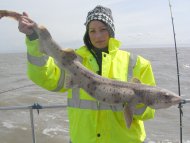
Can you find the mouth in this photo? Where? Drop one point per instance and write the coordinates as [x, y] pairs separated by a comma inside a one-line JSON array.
[[99, 42], [177, 100]]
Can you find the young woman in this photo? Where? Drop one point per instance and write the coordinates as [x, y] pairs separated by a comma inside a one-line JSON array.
[[91, 121]]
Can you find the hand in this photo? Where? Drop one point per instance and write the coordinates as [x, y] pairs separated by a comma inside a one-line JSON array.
[[26, 24]]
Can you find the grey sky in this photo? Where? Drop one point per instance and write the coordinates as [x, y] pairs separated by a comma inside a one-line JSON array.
[[139, 23]]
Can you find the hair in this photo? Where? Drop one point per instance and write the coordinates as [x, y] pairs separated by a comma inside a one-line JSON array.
[[86, 37]]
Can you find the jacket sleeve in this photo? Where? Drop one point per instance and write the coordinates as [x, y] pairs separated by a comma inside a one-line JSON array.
[[42, 69], [143, 72]]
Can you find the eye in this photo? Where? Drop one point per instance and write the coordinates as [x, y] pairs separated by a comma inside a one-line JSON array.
[[91, 31], [103, 29]]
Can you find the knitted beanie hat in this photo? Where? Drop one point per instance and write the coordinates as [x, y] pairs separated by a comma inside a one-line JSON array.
[[102, 14]]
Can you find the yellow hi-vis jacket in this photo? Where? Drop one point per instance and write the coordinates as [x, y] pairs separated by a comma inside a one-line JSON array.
[[91, 121]]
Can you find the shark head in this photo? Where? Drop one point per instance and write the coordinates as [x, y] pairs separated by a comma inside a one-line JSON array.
[[163, 99]]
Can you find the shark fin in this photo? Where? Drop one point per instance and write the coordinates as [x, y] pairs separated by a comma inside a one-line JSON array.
[[129, 110], [128, 114]]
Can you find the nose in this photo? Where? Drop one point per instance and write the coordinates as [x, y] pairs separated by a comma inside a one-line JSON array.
[[98, 35], [177, 100]]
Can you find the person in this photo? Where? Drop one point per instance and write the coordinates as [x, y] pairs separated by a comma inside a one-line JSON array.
[[91, 121]]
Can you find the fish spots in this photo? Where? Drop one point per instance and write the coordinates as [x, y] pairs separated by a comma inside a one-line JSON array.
[[92, 86], [116, 98], [63, 61], [91, 93], [116, 101], [104, 87], [95, 88], [52, 44], [149, 102], [167, 102], [94, 83], [88, 76], [71, 82], [88, 86]]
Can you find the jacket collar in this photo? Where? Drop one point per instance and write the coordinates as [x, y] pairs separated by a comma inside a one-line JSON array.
[[113, 45]]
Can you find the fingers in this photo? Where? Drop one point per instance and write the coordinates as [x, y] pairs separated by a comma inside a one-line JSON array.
[[25, 14], [26, 24]]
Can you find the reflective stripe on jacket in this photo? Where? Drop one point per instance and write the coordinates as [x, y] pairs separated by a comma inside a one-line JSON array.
[[92, 121]]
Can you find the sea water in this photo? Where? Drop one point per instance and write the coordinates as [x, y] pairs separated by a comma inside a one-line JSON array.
[[51, 125]]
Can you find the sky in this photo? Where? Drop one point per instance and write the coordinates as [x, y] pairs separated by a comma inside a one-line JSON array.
[[138, 23]]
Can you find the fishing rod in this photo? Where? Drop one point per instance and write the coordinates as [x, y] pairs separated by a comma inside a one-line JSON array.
[[9, 90], [178, 73]]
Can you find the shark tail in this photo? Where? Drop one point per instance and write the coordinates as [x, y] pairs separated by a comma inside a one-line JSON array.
[[11, 14]]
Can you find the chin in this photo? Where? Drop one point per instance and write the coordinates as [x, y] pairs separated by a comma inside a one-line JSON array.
[[100, 46]]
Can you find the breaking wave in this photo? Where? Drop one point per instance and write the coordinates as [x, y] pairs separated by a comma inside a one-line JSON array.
[[51, 132]]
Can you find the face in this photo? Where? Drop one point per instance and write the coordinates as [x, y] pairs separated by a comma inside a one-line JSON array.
[[98, 33]]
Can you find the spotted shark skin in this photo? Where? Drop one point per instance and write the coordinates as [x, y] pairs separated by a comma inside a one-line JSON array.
[[103, 89]]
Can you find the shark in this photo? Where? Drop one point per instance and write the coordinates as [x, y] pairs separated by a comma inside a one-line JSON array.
[[106, 90]]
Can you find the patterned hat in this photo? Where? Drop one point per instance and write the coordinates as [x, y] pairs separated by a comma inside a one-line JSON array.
[[102, 14]]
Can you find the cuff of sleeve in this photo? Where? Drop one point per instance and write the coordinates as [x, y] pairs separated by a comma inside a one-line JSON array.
[[33, 36], [33, 47]]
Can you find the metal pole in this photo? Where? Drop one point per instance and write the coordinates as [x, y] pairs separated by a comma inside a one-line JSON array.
[[185, 101], [33, 107], [32, 126]]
